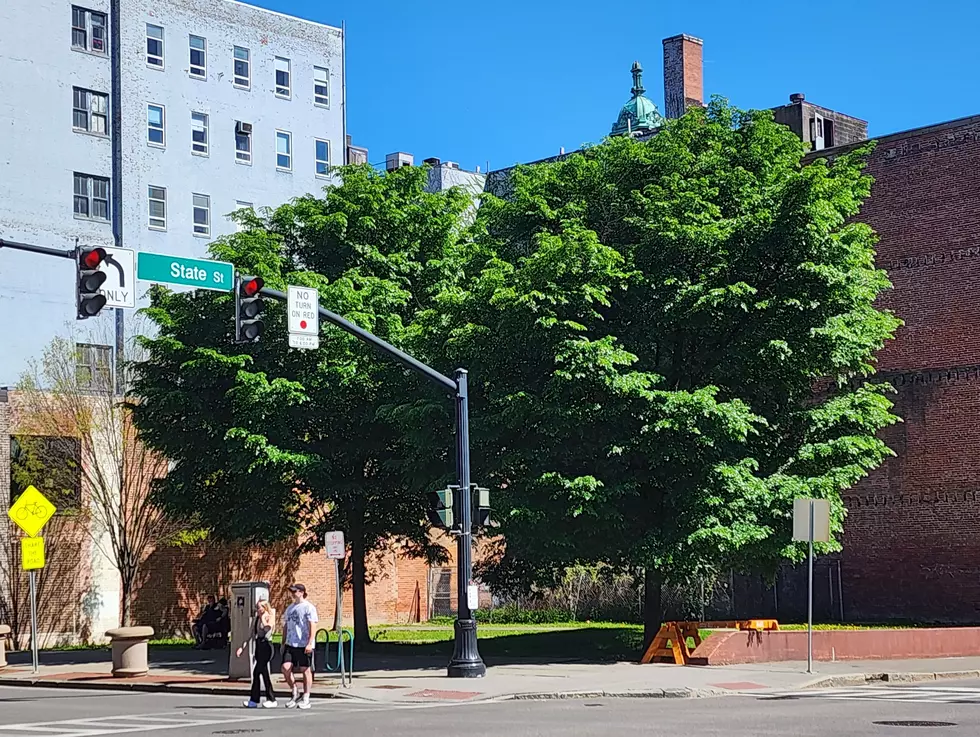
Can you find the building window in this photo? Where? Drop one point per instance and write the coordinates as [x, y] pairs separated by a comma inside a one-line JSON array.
[[199, 134], [157, 203], [154, 45], [239, 205], [322, 157], [202, 214], [155, 129], [51, 463], [93, 367], [91, 197], [282, 77], [284, 150], [243, 68], [321, 87], [199, 57], [87, 30], [243, 142], [90, 111]]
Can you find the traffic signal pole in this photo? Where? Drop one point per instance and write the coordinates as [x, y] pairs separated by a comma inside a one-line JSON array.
[[466, 661]]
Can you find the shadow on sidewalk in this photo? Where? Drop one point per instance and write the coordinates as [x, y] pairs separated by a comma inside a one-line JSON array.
[[585, 645]]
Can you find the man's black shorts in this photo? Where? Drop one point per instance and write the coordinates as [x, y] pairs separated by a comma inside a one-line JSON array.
[[297, 656]]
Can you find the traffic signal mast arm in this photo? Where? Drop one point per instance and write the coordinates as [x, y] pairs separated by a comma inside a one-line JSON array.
[[38, 249], [334, 319]]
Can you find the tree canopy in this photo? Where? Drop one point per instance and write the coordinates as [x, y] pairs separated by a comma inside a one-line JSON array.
[[668, 341], [268, 442]]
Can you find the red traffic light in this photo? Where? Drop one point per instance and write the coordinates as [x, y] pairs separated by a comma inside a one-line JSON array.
[[92, 257], [253, 286]]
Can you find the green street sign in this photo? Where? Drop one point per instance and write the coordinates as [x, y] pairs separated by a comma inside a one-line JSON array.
[[190, 272]]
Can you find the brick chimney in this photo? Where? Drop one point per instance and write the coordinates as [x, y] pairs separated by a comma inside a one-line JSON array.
[[683, 74]]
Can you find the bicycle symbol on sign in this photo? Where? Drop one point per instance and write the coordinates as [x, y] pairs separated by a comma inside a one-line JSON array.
[[34, 508]]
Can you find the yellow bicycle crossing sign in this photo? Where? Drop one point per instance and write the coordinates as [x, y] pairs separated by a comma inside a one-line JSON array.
[[31, 511]]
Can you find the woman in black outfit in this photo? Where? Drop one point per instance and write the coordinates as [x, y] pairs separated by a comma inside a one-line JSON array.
[[262, 625]]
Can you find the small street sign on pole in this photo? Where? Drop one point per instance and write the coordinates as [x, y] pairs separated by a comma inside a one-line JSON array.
[[303, 310], [333, 542], [811, 522], [31, 512]]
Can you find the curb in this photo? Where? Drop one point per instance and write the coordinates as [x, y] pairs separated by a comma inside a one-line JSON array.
[[862, 679]]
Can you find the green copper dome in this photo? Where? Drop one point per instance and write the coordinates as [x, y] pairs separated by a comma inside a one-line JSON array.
[[639, 114]]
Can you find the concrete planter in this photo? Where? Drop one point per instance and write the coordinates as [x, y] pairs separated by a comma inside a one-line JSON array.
[[130, 651], [4, 633]]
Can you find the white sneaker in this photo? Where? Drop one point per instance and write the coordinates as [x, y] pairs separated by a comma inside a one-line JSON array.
[[250, 705], [270, 704], [294, 699], [304, 703]]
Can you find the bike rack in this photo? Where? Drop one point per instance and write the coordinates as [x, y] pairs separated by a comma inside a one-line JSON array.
[[343, 665]]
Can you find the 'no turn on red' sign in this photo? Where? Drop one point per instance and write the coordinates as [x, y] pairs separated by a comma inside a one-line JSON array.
[[303, 306]]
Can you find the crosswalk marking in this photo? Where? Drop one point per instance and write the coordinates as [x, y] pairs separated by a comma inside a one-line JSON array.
[[133, 723], [909, 694]]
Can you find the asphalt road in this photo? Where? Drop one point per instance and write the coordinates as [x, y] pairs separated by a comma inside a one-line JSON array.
[[31, 712]]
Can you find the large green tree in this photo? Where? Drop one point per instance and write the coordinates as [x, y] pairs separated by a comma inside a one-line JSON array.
[[669, 341], [268, 442]]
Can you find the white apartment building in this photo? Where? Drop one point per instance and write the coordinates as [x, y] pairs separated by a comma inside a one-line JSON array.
[[142, 125]]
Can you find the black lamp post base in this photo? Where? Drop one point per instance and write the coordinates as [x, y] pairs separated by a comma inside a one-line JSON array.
[[466, 662]]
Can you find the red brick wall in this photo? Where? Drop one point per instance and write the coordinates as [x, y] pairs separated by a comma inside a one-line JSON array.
[[912, 536], [175, 582]]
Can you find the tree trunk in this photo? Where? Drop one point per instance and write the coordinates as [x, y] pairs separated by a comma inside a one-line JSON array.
[[126, 612], [653, 610], [358, 588]]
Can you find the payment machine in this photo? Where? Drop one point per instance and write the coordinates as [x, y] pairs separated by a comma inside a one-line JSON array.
[[244, 597]]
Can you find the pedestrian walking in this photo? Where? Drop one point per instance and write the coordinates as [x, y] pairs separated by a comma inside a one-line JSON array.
[[263, 623], [298, 637]]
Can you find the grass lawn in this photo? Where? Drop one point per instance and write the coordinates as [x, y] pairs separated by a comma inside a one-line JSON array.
[[575, 640]]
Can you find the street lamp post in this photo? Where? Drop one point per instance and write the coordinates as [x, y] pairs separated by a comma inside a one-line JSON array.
[[466, 661]]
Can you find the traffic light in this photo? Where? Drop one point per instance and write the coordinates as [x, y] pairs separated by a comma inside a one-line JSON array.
[[440, 508], [88, 281], [481, 505], [248, 308]]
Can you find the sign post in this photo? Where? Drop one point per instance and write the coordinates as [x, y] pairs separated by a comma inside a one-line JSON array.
[[811, 522], [303, 305], [336, 551], [31, 512]]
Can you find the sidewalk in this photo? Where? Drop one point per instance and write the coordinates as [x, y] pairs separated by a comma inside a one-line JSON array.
[[389, 679]]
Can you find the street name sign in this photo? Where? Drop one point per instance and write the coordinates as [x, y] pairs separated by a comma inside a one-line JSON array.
[[334, 543], [302, 306], [32, 553], [189, 272], [119, 286], [31, 511]]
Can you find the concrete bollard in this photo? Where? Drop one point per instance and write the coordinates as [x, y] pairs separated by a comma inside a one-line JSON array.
[[4, 632], [129, 651]]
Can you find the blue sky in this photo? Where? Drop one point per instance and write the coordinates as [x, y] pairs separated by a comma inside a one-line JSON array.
[[506, 81]]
